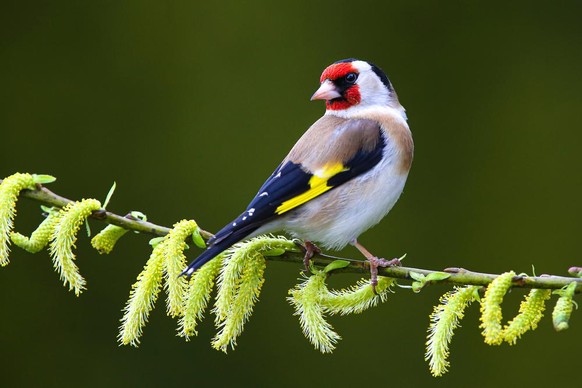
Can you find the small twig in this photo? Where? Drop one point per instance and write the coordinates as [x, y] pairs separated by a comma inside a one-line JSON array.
[[458, 276], [48, 198]]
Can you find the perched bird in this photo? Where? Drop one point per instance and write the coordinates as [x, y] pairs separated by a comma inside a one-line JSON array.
[[342, 176]]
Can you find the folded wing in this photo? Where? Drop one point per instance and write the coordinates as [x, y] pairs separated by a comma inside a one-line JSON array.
[[338, 155]]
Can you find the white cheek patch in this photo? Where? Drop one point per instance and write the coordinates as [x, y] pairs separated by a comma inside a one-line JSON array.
[[372, 90]]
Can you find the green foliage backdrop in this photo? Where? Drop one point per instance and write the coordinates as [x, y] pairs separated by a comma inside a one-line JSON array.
[[190, 106]]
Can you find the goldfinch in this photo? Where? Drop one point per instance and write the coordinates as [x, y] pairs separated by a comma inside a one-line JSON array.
[[342, 176]]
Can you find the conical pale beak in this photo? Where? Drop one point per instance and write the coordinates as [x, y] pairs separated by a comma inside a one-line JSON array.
[[327, 91]]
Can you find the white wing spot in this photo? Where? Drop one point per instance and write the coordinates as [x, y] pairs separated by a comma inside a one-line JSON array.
[[278, 175], [319, 173], [251, 211], [244, 218], [234, 224], [264, 194]]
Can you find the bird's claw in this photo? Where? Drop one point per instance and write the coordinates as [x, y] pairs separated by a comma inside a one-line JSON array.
[[310, 250], [376, 262]]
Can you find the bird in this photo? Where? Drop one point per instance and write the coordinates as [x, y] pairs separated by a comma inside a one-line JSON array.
[[341, 177]]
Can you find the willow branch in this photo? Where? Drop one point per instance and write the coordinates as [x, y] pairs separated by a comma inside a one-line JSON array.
[[458, 276], [48, 198]]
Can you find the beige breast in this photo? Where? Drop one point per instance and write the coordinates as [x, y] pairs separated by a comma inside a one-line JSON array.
[[332, 140]]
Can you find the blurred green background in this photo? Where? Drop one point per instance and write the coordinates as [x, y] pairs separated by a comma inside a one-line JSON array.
[[189, 106]]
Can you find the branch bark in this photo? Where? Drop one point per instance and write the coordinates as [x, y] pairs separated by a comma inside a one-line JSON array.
[[48, 198], [458, 276]]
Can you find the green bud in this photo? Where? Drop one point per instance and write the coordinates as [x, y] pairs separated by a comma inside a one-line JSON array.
[[336, 264], [197, 238], [43, 179]]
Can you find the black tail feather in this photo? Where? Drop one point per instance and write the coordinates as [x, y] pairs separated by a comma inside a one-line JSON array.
[[217, 248]]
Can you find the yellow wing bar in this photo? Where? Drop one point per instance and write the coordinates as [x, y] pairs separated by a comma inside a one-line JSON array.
[[317, 186]]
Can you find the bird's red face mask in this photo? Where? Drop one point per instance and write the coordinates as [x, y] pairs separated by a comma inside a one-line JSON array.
[[339, 87]]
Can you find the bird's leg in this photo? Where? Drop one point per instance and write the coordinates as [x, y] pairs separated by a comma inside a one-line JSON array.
[[310, 250], [375, 262]]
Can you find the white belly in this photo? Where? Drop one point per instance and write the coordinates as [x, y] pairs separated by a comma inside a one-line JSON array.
[[338, 217]]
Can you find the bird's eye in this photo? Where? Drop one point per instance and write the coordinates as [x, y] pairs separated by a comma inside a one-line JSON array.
[[351, 78]]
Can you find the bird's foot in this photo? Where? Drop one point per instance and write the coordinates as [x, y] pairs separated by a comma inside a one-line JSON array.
[[376, 262], [310, 250]]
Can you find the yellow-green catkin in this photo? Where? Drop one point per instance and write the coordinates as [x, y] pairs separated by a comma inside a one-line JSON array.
[[105, 241], [174, 263], [228, 281], [235, 258], [357, 298], [197, 297], [444, 320], [249, 288], [491, 315], [531, 311], [69, 221], [564, 307], [239, 284], [40, 238], [142, 297], [9, 190], [306, 298]]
